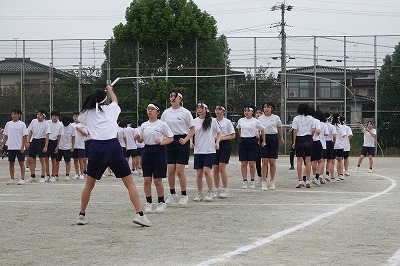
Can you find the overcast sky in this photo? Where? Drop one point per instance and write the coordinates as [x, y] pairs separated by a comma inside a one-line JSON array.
[[65, 19]]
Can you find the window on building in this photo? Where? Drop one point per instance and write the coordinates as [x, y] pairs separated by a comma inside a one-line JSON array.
[[230, 83], [304, 88], [293, 88]]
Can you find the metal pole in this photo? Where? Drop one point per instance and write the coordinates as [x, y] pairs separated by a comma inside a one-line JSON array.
[[23, 82], [80, 76], [283, 65], [255, 72], [51, 76], [376, 80], [226, 78], [345, 79], [137, 84], [166, 64], [196, 71], [315, 73]]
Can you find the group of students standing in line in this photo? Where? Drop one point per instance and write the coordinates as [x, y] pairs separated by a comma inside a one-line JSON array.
[[167, 142]]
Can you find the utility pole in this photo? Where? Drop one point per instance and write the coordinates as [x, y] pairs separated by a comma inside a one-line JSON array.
[[283, 7]]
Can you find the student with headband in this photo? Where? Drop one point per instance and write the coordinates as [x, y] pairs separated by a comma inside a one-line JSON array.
[[248, 145]]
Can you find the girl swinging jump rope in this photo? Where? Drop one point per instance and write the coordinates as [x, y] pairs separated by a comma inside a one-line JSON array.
[[105, 150]]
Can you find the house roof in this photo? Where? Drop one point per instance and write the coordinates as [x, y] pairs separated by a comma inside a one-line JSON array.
[[319, 69], [14, 65]]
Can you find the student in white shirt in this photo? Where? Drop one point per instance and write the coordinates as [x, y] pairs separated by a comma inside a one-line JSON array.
[[155, 134], [227, 133], [181, 123], [38, 135], [79, 147], [269, 153], [55, 131], [121, 137], [15, 135], [339, 146], [206, 142], [304, 129], [330, 148], [346, 144], [131, 147], [248, 128], [65, 147], [368, 145], [100, 119], [319, 152]]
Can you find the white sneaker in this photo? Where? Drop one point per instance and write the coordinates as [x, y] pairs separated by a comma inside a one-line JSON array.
[[183, 200], [369, 170], [244, 186], [21, 182], [75, 177], [264, 186], [259, 179], [81, 177], [81, 220], [327, 179], [11, 181], [346, 173], [199, 197], [252, 184], [172, 198], [272, 185], [299, 184], [42, 180], [66, 178], [209, 197], [357, 169], [27, 170], [316, 181], [31, 180], [186, 166], [141, 220], [140, 171], [308, 184], [161, 206], [53, 179], [135, 172], [224, 193], [342, 177], [47, 178], [148, 207]]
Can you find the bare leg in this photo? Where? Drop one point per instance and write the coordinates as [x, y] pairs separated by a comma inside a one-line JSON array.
[[199, 180], [87, 190], [207, 174], [133, 194], [159, 187], [171, 175], [252, 165], [243, 169], [272, 167], [216, 175], [264, 168], [224, 174], [180, 171]]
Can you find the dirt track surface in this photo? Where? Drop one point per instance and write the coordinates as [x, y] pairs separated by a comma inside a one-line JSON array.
[[355, 222]]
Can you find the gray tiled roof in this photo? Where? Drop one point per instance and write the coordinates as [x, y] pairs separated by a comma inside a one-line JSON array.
[[319, 70], [14, 65]]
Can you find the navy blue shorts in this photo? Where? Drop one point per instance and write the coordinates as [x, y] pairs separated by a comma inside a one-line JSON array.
[[339, 153], [177, 153], [51, 148], [203, 160], [87, 145], [78, 153], [36, 148], [131, 153], [318, 152], [248, 149], [124, 152], [330, 151], [139, 151], [67, 154], [324, 154], [12, 154], [368, 150], [154, 161], [346, 154], [224, 153], [270, 150], [304, 146], [107, 153]]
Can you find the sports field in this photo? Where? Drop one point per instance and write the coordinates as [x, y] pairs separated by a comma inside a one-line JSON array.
[[354, 222]]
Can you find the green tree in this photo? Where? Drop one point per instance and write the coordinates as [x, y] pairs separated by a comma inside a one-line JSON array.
[[162, 36], [389, 100]]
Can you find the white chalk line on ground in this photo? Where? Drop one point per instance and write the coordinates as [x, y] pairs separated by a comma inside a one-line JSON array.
[[229, 255], [395, 259]]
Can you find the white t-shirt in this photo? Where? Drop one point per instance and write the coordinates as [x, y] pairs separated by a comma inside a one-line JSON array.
[[270, 123], [341, 134], [66, 137], [150, 131], [317, 127], [225, 127], [249, 126], [179, 120], [346, 140], [303, 124], [102, 125], [369, 140], [204, 141], [55, 129], [79, 137], [39, 129], [331, 131], [15, 131], [121, 137], [130, 133], [322, 135]]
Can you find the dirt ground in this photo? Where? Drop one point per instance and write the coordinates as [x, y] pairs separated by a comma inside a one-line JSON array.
[[354, 222]]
